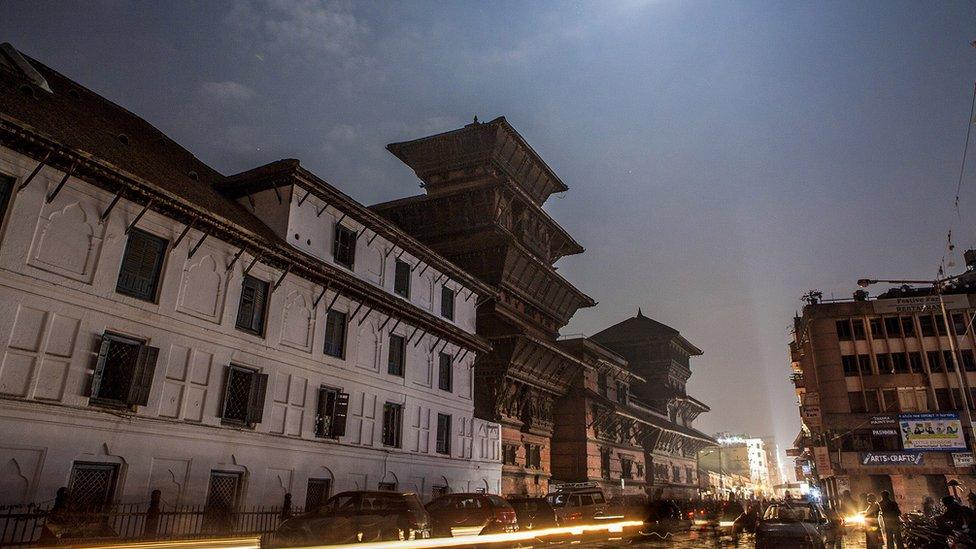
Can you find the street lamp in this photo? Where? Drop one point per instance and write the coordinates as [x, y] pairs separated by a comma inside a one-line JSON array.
[[938, 284]]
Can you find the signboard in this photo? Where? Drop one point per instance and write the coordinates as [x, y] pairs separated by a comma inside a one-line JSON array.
[[843, 483], [892, 459], [794, 452], [822, 459], [938, 431], [892, 432], [919, 304], [810, 411], [962, 459], [884, 421]]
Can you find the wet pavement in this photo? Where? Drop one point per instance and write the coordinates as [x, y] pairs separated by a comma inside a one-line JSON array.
[[695, 540]]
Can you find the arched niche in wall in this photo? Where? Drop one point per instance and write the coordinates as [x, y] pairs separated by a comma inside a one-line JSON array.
[[67, 241], [202, 288]]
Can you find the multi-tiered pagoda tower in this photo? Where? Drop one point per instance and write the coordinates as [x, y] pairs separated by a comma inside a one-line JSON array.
[[483, 210]]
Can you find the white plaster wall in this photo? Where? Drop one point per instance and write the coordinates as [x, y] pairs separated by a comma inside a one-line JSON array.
[[58, 272]]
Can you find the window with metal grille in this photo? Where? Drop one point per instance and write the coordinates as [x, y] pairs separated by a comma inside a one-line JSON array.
[[244, 391], [335, 334], [6, 191], [443, 434], [333, 407], [224, 493], [386, 486], [397, 355], [392, 424], [447, 303], [317, 493], [123, 372], [254, 304], [142, 265], [445, 372], [401, 282], [344, 246], [605, 463], [91, 488], [439, 490]]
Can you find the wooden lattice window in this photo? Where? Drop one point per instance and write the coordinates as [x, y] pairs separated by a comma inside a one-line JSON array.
[[333, 408], [142, 265], [244, 392], [445, 372], [253, 307], [344, 246], [401, 280], [443, 434], [123, 372]]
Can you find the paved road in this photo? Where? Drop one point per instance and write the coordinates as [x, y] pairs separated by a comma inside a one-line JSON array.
[[689, 541]]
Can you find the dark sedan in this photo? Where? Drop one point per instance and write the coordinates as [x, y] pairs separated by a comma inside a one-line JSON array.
[[533, 513], [791, 525], [352, 517], [456, 515]]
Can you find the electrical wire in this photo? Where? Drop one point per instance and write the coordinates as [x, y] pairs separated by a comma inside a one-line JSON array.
[[950, 247]]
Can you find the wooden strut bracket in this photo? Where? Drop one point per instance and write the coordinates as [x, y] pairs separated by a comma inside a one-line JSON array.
[[465, 355], [318, 213], [199, 243], [341, 218], [438, 279], [419, 263], [34, 173], [470, 293], [111, 206], [332, 303], [183, 233], [277, 194], [457, 354], [419, 339], [413, 333], [372, 238], [423, 270], [353, 315], [321, 295], [250, 200], [302, 199], [395, 324], [365, 315], [393, 247], [138, 217], [436, 342], [443, 346], [53, 194], [235, 258], [251, 264], [281, 278]]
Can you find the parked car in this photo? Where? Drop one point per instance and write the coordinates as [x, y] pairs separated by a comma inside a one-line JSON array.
[[577, 505], [351, 517], [629, 507], [793, 525], [533, 513], [455, 515]]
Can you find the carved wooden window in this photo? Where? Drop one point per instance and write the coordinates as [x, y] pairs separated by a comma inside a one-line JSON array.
[[401, 280], [91, 488], [445, 372], [509, 454], [443, 434], [253, 307], [533, 456], [317, 493], [392, 424], [626, 467], [336, 324], [123, 372], [447, 303], [344, 246], [142, 265], [398, 352], [330, 417], [601, 383], [244, 392]]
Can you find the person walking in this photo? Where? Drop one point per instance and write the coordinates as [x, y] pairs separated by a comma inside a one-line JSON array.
[[872, 532], [890, 521]]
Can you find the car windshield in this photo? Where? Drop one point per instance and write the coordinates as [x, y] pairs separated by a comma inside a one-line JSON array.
[[791, 513], [341, 504], [526, 504], [382, 503]]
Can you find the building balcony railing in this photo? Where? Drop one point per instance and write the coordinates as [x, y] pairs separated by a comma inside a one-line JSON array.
[[797, 379]]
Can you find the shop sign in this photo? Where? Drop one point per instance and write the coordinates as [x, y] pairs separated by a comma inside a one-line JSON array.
[[884, 432], [894, 459], [962, 459], [843, 483], [937, 431], [878, 421], [920, 304], [821, 457], [794, 452]]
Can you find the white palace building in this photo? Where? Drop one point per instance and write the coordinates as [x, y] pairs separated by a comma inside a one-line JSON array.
[[223, 339]]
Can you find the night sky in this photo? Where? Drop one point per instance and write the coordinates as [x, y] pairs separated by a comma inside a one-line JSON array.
[[723, 158]]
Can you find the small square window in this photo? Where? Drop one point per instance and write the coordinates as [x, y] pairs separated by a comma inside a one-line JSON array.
[[253, 306], [244, 392], [142, 265], [447, 303], [401, 280], [124, 372], [397, 355], [344, 246]]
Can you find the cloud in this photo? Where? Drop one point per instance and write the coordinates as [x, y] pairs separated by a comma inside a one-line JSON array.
[[227, 91], [302, 27]]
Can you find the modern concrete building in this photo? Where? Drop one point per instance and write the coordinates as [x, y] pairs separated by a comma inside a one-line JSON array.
[[881, 393], [223, 339], [741, 455]]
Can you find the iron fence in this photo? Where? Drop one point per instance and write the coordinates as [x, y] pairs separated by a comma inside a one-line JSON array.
[[46, 524]]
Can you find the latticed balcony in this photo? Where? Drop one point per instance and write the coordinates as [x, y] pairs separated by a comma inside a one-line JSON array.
[[797, 379]]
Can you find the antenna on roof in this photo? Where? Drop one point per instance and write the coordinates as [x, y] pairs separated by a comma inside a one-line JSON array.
[[29, 71]]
